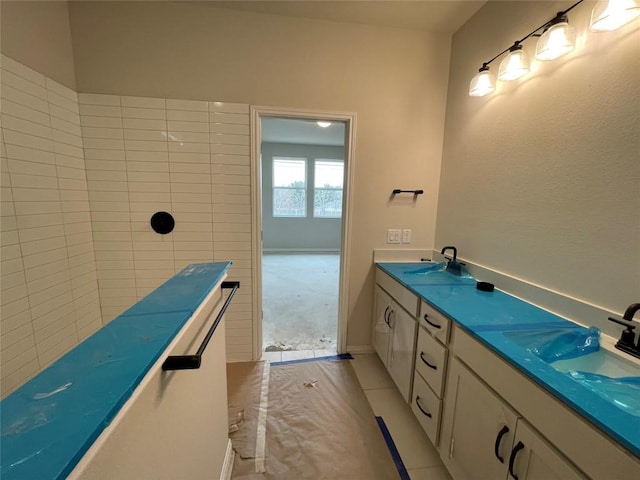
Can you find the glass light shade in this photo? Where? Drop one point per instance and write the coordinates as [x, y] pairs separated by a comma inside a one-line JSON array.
[[610, 15], [482, 84], [323, 124], [514, 66], [558, 40]]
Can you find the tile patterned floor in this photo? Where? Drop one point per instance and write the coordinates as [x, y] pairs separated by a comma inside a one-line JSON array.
[[418, 454]]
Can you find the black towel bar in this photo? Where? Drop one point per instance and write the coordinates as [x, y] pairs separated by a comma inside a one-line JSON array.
[[414, 192], [190, 362]]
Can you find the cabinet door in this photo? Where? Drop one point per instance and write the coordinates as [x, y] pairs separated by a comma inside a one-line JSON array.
[[381, 329], [532, 458], [478, 427], [402, 348]]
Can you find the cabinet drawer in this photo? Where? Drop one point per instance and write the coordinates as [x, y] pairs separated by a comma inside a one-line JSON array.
[[426, 407], [431, 359], [401, 294], [435, 322]]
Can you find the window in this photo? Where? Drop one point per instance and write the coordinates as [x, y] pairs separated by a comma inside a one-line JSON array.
[[327, 194], [289, 187]]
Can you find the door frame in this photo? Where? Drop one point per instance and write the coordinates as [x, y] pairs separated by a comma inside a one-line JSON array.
[[349, 118]]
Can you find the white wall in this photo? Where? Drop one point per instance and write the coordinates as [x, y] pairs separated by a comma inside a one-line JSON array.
[[541, 179], [297, 234], [395, 80], [49, 289]]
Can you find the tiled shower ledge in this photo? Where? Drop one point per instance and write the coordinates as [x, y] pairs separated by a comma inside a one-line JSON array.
[[50, 422]]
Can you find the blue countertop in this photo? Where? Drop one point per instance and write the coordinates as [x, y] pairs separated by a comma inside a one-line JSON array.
[[487, 316], [49, 423]]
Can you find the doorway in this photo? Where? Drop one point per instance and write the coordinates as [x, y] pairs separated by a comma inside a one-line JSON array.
[[303, 163]]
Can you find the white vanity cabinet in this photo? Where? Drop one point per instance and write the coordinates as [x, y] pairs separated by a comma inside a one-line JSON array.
[[394, 330], [545, 439], [483, 437]]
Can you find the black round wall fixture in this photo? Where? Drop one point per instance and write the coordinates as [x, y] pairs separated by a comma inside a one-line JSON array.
[[162, 223]]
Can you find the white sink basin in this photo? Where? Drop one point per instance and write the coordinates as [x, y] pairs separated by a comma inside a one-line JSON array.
[[602, 362]]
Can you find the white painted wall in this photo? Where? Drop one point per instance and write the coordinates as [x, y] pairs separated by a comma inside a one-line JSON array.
[[541, 179]]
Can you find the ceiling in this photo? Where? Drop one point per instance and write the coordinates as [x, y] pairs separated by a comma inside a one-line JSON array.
[[307, 132], [431, 15]]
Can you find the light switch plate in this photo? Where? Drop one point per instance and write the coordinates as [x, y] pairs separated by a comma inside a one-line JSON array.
[[394, 235], [406, 235]]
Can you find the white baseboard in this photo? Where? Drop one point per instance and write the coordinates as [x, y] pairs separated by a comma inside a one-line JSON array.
[[227, 466], [359, 349]]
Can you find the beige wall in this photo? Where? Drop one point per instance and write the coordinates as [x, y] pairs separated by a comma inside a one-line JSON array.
[[395, 80], [37, 34], [541, 179]]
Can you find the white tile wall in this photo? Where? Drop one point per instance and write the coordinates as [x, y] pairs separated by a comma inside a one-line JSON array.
[[49, 287], [81, 176], [145, 155]]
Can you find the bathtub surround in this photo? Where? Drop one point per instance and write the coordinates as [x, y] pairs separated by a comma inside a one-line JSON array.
[[49, 289]]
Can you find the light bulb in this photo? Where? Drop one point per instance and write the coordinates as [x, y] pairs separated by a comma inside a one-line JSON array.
[[610, 15], [558, 40], [482, 84], [323, 124], [514, 65]]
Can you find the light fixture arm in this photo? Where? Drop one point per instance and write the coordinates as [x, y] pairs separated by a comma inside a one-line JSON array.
[[560, 16]]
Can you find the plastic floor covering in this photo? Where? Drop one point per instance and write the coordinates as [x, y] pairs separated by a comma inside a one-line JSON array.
[[305, 420]]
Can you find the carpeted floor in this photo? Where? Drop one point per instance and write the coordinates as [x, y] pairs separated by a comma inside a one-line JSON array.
[[300, 301]]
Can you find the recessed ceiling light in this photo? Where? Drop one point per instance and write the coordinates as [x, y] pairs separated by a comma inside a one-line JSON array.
[[324, 124]]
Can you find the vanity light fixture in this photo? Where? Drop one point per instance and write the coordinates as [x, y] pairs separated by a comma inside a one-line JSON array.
[[608, 15], [556, 38], [483, 83], [323, 124], [514, 65]]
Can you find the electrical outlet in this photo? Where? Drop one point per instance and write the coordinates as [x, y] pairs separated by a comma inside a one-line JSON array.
[[394, 235], [406, 235]]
